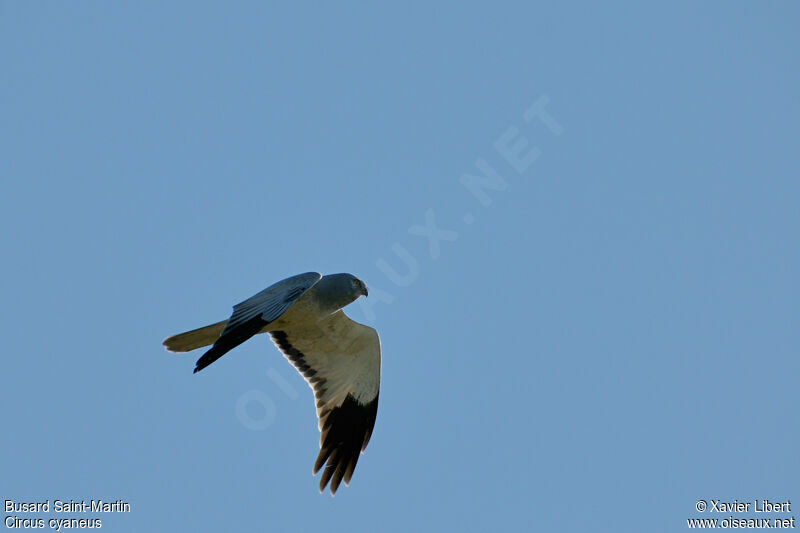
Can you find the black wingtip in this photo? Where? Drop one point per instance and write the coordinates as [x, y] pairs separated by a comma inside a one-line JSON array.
[[203, 362], [345, 433]]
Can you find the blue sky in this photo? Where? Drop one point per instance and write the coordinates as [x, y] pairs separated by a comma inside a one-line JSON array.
[[611, 338]]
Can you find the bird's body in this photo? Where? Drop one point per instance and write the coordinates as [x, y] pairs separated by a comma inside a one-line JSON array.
[[338, 358]]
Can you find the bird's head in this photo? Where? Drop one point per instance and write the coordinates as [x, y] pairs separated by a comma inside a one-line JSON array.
[[348, 284], [337, 290], [359, 286]]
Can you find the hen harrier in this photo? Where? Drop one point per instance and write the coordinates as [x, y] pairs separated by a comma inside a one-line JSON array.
[[340, 359]]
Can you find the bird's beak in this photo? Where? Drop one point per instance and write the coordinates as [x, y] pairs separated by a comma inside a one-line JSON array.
[[366, 290]]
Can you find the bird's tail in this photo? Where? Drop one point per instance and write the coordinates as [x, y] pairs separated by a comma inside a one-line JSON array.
[[197, 338]]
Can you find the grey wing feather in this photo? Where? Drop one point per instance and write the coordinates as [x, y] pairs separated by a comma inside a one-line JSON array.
[[250, 316], [268, 304], [273, 301]]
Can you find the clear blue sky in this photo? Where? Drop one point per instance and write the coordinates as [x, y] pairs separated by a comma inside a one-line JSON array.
[[613, 337]]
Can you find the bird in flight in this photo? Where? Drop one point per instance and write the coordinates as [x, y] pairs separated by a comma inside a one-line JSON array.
[[339, 358]]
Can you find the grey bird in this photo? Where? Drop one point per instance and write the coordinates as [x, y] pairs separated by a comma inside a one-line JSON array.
[[339, 358]]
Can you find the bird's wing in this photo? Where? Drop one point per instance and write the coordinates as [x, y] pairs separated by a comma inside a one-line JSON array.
[[250, 316], [341, 360], [272, 302]]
